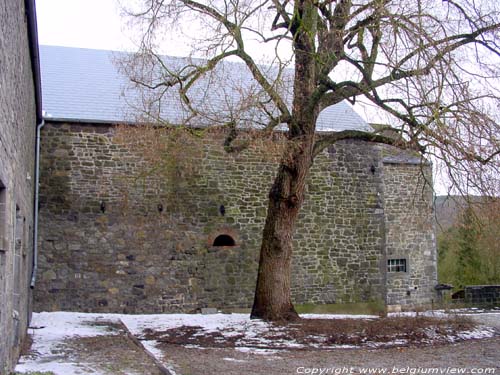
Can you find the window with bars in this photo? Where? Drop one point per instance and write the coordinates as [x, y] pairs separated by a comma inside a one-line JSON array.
[[396, 265]]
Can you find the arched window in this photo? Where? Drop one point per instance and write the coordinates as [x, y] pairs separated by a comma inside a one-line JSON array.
[[224, 240]]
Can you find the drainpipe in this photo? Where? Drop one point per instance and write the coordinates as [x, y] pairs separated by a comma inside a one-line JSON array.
[[37, 189]]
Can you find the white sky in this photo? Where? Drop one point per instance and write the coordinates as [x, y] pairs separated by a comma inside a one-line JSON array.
[[98, 24], [81, 23]]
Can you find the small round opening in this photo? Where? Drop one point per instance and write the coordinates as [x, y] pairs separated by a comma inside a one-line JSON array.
[[224, 240]]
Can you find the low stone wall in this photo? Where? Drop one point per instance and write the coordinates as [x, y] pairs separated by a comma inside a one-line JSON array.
[[129, 225], [483, 295]]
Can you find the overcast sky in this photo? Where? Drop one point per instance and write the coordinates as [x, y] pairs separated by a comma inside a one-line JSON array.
[[98, 24], [82, 23]]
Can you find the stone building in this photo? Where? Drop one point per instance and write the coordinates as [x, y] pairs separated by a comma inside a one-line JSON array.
[[20, 112], [150, 220]]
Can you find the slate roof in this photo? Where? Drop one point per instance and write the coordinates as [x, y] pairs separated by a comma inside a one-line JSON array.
[[85, 85]]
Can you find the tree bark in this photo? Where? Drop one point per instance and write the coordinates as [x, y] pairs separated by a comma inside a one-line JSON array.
[[273, 291]]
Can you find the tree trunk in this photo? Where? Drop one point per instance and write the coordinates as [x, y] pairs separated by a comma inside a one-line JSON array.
[[273, 294]]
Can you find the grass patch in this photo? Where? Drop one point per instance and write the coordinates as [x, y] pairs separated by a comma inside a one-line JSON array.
[[365, 308], [361, 308]]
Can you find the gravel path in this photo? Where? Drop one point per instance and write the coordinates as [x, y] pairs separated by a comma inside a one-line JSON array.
[[471, 354], [110, 355], [488, 319]]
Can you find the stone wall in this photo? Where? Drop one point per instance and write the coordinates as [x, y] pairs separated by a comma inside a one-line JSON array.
[[338, 242], [129, 227], [410, 232], [17, 146]]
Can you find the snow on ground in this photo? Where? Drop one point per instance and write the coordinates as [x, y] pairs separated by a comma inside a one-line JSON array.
[[209, 323], [337, 316], [50, 330], [253, 335], [450, 312], [244, 349], [228, 325], [257, 336], [430, 314]]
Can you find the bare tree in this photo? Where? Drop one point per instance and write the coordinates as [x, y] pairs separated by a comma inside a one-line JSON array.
[[431, 65]]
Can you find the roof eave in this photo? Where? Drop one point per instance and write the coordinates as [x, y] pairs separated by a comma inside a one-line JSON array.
[[88, 121]]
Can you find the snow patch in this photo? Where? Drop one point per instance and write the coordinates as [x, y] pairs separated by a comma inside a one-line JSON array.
[[49, 330], [260, 351], [234, 360], [58, 368], [337, 316]]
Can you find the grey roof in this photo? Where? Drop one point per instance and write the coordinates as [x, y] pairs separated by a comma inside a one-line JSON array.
[[85, 85]]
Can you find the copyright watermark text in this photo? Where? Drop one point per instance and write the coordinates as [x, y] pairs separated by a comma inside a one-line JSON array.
[[394, 370]]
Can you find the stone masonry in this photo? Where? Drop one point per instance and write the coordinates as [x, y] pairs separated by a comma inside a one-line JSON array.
[[409, 232], [17, 148], [130, 228]]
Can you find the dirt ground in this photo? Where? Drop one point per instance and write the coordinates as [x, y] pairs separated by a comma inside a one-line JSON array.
[[120, 353], [115, 353], [470, 354], [322, 333]]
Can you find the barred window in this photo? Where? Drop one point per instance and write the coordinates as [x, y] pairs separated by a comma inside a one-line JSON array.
[[396, 265]]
